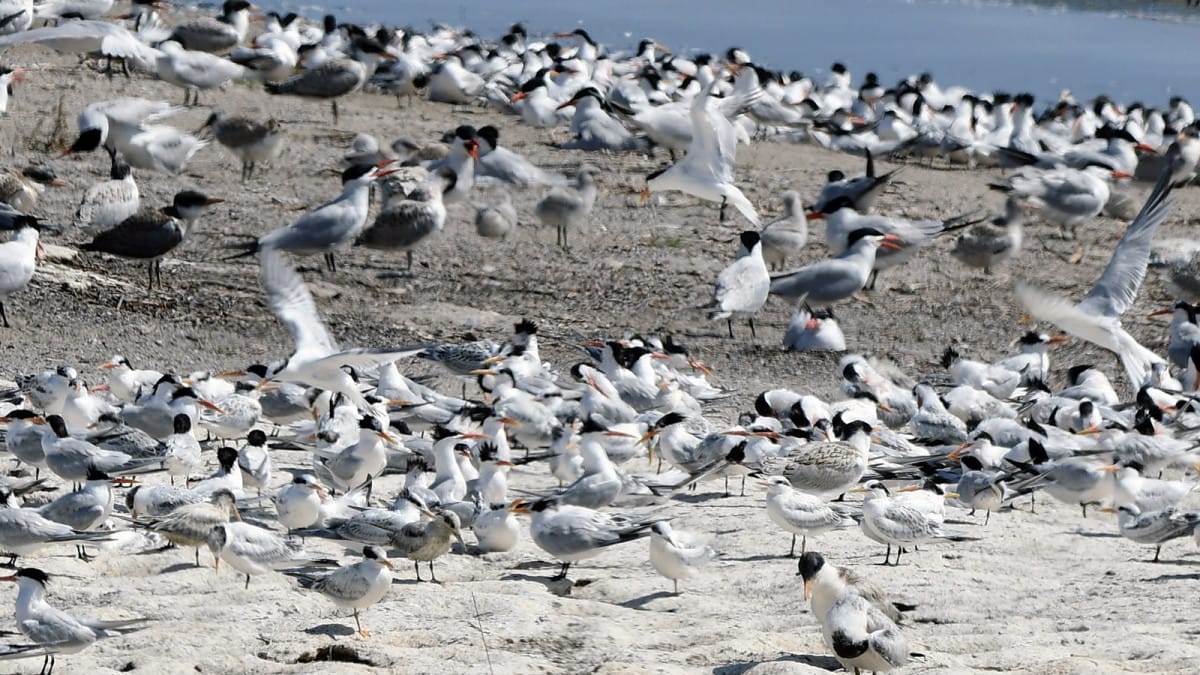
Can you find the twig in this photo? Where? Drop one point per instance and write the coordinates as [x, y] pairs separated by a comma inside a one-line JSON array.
[[482, 636]]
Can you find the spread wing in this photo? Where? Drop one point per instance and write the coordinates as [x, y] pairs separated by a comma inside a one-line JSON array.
[[293, 304], [1118, 286]]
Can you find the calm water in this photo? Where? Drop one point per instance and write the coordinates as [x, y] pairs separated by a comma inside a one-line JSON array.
[[1129, 50]]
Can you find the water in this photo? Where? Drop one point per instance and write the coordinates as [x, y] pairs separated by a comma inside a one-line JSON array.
[[1128, 50]]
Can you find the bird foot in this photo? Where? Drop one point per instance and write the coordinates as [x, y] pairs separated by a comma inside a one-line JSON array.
[[364, 633]]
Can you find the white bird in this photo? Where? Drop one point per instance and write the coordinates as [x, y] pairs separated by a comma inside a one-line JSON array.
[[181, 451], [334, 224], [507, 166], [566, 208], [83, 37], [18, 259], [254, 461], [195, 70], [574, 533], [707, 170], [1068, 196], [834, 279], [676, 554], [298, 504], [862, 637], [252, 550], [800, 513], [742, 287], [887, 521], [58, 631], [824, 584], [24, 532], [109, 203], [356, 586], [496, 529], [814, 331], [124, 125], [191, 524], [1097, 318], [316, 361]]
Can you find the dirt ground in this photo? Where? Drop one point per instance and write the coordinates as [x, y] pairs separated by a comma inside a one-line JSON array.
[[1039, 593]]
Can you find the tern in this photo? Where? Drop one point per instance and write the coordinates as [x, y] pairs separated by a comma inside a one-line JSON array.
[[800, 513], [707, 170], [150, 235], [18, 259], [356, 586], [58, 631], [403, 224], [824, 584], [21, 189], [335, 78], [742, 287], [574, 533], [252, 550], [250, 139], [316, 361], [1097, 318], [194, 70], [124, 125], [786, 235], [427, 540], [566, 207], [108, 203], [331, 225], [834, 279], [1154, 528], [676, 554], [191, 523]]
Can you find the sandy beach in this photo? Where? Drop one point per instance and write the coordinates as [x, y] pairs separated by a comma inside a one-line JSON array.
[[1044, 592]]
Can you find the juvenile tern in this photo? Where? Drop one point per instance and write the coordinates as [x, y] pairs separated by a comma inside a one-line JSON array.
[[497, 218], [21, 189], [565, 208], [785, 236], [1156, 527], [251, 139], [403, 224], [890, 522], [190, 524], [814, 331], [150, 235], [252, 550], [427, 540]]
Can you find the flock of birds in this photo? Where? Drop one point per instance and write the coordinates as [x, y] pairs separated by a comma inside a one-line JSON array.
[[976, 435]]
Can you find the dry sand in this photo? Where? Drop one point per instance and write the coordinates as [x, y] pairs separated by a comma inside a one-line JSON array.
[[1040, 593]]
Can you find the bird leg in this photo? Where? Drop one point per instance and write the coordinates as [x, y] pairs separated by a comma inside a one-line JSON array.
[[1157, 549], [752, 333], [361, 632], [792, 553], [417, 567], [330, 263], [12, 560], [987, 518], [676, 586], [803, 543], [197, 556], [432, 576], [871, 283], [562, 573], [724, 201], [4, 315], [729, 322], [899, 550], [150, 276], [887, 556], [408, 255], [83, 554], [247, 586], [1084, 510], [335, 111]]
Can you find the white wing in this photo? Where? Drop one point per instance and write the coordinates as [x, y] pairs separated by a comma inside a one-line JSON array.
[[1118, 286], [293, 304]]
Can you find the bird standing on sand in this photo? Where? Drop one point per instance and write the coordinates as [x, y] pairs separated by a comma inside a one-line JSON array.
[[250, 139], [565, 208], [742, 288], [150, 235], [404, 223]]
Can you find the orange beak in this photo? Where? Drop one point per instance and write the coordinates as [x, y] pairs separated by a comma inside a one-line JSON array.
[[519, 96], [814, 215]]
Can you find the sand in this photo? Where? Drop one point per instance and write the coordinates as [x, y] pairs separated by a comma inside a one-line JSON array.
[[1048, 592]]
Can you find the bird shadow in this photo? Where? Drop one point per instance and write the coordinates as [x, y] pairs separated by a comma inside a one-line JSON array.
[[814, 660], [332, 630], [760, 557], [560, 587], [640, 603], [1096, 535], [1189, 563], [178, 567], [1173, 577], [695, 498], [535, 565]]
